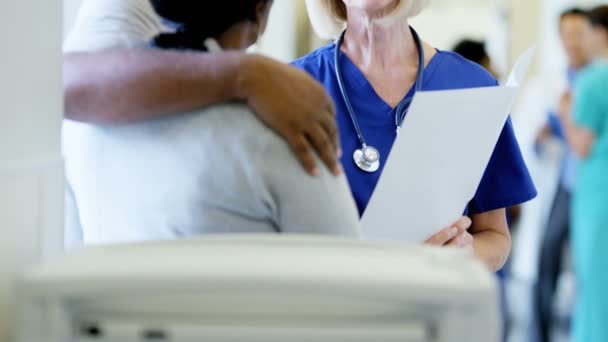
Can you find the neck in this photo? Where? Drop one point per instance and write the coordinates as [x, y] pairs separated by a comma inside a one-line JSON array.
[[376, 44], [576, 67], [236, 38]]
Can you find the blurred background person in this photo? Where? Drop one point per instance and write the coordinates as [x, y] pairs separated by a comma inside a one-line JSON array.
[[475, 50], [587, 132], [575, 31]]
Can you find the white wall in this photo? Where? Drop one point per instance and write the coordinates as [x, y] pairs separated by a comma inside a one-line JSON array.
[[30, 162], [279, 40], [444, 23]]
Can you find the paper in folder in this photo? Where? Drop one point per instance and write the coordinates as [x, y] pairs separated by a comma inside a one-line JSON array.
[[438, 160]]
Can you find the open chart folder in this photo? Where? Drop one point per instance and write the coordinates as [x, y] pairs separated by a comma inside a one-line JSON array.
[[438, 160]]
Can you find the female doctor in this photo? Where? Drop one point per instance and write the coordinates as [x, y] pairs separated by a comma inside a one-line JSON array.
[[372, 72]]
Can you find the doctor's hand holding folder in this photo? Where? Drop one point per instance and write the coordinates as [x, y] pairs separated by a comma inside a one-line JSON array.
[[427, 182], [456, 235]]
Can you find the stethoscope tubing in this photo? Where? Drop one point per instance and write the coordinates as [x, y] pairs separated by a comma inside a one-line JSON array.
[[400, 115]]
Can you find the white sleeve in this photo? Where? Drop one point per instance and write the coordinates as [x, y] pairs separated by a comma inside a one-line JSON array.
[[107, 24], [303, 204]]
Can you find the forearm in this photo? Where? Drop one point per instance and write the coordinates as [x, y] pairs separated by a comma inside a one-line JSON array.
[[123, 86], [579, 139], [544, 134], [492, 248]]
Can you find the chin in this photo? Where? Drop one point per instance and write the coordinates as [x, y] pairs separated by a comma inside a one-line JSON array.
[[372, 6], [390, 9]]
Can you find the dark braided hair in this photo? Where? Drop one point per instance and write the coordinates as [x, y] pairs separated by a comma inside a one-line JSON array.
[[200, 19]]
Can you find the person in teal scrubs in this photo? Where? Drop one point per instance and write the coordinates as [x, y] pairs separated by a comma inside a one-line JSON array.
[[587, 133]]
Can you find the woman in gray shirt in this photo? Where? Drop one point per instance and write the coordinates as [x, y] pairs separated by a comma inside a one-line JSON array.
[[219, 170]]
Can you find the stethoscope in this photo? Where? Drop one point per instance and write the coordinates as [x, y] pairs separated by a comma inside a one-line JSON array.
[[367, 158]]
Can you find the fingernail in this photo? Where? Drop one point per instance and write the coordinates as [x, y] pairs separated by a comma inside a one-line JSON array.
[[315, 172], [340, 152]]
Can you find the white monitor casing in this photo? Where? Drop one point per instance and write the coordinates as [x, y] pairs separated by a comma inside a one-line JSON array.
[[254, 288]]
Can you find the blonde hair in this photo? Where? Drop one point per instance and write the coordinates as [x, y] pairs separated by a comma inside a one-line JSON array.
[[328, 17]]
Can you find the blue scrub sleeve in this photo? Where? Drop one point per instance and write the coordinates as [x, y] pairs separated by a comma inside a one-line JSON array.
[[556, 126], [506, 181]]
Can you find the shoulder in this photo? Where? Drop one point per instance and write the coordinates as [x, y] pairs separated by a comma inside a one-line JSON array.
[[247, 138], [590, 84], [316, 60], [263, 153], [593, 75], [458, 72]]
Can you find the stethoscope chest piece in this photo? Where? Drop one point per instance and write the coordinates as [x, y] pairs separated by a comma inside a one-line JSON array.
[[367, 159]]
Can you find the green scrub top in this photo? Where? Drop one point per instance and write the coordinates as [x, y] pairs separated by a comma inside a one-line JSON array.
[[590, 208]]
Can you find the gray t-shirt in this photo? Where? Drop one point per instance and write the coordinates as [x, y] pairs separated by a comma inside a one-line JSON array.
[[213, 171]]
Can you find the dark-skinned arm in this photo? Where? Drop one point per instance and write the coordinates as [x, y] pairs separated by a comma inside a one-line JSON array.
[[133, 85]]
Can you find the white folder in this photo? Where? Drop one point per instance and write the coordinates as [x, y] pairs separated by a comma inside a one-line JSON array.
[[438, 160]]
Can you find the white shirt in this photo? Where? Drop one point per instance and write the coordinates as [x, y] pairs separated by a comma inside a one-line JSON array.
[[219, 170]]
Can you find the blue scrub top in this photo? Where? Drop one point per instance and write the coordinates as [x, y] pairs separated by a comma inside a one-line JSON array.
[[506, 181]]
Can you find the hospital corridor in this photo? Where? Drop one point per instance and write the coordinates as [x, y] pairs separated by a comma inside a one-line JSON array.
[[304, 170]]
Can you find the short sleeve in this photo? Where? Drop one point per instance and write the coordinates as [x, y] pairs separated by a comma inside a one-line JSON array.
[[303, 204], [588, 111], [506, 181], [107, 24]]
